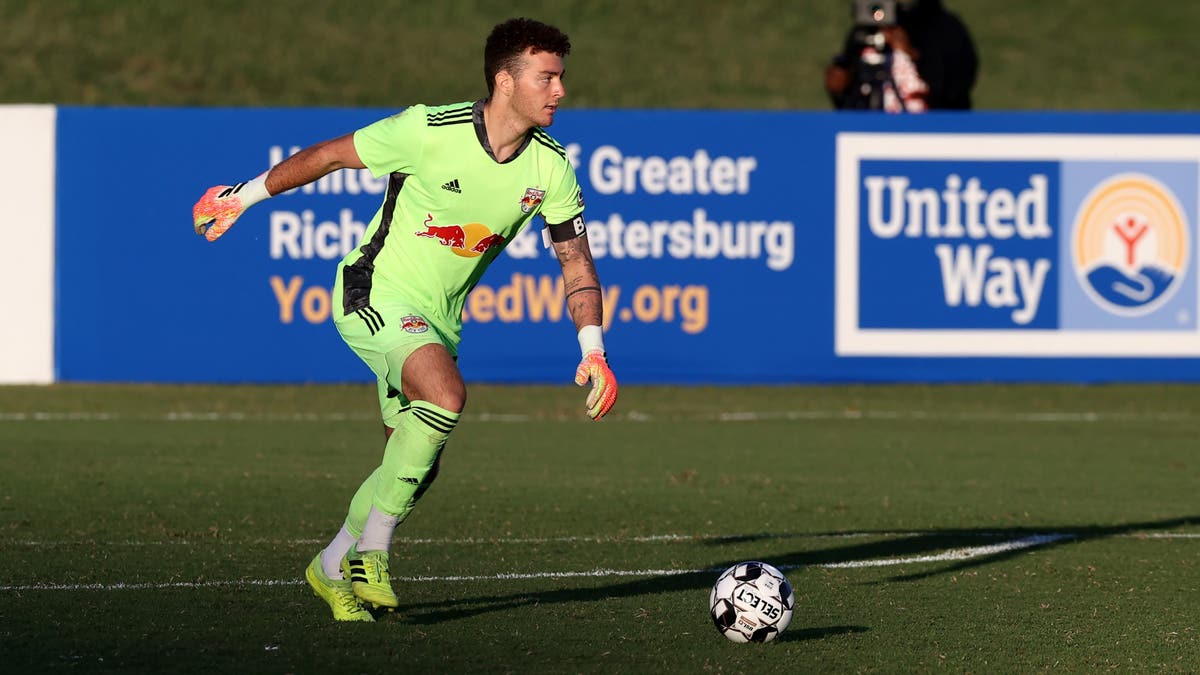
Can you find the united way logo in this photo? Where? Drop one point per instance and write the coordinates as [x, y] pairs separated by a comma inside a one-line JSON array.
[[1130, 244]]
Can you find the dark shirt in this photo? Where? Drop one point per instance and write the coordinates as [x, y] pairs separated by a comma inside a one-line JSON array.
[[948, 62]]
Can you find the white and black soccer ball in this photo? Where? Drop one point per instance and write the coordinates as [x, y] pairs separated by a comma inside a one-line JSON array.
[[751, 602]]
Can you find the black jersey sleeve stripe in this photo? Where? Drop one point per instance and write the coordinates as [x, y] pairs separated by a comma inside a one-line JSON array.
[[553, 146], [447, 115], [547, 138], [446, 123], [540, 132], [456, 119], [450, 110], [443, 117]]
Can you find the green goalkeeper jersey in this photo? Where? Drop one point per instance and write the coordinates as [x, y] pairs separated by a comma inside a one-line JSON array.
[[450, 207]]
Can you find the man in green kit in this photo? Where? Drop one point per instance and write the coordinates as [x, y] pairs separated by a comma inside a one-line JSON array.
[[464, 179]]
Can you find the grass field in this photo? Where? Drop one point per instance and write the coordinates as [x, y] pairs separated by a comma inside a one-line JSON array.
[[983, 529], [957, 528], [676, 54]]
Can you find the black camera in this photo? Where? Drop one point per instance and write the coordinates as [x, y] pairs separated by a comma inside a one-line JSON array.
[[874, 13], [872, 68], [870, 17]]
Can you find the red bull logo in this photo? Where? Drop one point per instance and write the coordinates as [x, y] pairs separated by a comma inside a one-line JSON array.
[[533, 197], [413, 324], [487, 242], [447, 235], [469, 240], [1130, 244]]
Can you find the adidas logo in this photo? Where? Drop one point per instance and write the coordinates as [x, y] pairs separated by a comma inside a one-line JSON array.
[[358, 571], [452, 186]]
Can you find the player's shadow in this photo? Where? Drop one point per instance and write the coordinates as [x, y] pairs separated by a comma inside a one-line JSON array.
[[946, 551], [959, 550], [794, 634]]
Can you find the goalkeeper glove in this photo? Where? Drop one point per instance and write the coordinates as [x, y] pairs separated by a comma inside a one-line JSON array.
[[221, 206], [594, 368]]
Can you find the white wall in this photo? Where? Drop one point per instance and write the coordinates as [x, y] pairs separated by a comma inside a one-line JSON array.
[[27, 134]]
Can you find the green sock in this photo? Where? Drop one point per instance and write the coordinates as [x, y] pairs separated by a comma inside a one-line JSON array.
[[394, 488]]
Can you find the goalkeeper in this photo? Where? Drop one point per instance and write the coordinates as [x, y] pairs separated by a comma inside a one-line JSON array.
[[464, 179]]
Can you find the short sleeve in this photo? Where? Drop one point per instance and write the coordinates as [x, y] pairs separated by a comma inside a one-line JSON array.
[[394, 143], [564, 199]]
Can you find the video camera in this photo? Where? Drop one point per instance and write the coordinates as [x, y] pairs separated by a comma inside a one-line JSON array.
[[873, 67], [874, 13], [870, 16]]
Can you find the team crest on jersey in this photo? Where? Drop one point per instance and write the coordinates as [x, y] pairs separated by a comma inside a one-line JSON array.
[[532, 198], [413, 324], [579, 197]]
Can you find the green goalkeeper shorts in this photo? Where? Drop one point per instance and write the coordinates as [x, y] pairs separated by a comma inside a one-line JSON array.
[[384, 334]]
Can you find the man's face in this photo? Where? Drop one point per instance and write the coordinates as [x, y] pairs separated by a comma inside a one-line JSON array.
[[538, 87]]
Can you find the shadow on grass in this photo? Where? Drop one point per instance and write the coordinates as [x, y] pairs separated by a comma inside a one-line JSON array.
[[958, 550], [794, 634], [948, 551]]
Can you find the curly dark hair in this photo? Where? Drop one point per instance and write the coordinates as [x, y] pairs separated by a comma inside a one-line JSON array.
[[509, 40]]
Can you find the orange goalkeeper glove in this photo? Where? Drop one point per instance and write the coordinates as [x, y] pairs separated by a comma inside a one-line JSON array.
[[221, 206], [603, 395], [594, 368]]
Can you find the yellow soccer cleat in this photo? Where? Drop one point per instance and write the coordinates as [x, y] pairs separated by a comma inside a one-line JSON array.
[[368, 574], [337, 592]]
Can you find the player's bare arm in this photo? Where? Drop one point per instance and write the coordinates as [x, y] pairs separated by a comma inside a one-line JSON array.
[[314, 162], [222, 205], [585, 302], [581, 283]]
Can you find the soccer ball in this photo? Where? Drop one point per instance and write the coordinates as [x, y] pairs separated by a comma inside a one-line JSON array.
[[751, 602]]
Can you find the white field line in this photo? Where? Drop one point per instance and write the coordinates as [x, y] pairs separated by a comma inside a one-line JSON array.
[[596, 539], [466, 541], [956, 554], [630, 416]]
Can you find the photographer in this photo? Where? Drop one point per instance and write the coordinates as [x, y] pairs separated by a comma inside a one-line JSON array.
[[903, 56]]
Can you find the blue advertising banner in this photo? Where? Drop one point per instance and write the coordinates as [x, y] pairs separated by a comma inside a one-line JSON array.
[[734, 247], [1017, 245]]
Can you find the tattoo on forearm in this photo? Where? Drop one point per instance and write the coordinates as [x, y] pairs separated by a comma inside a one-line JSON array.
[[586, 308], [579, 275], [566, 253], [585, 288], [573, 249]]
